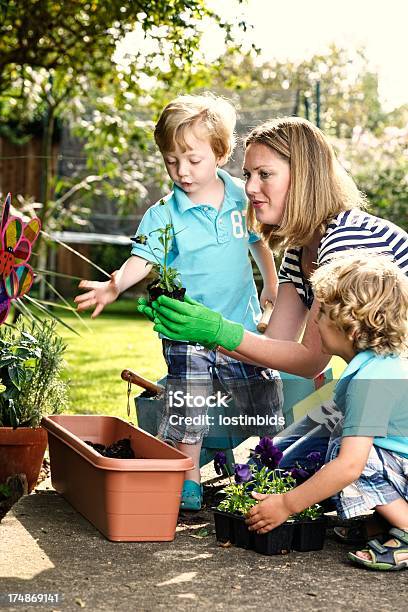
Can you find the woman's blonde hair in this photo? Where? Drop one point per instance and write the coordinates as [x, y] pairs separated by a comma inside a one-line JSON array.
[[366, 295], [206, 112], [319, 187]]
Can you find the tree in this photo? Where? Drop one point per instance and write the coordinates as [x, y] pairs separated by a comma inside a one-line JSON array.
[[54, 54], [379, 166], [348, 87]]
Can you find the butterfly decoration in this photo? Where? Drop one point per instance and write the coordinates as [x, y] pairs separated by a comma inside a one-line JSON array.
[[16, 240]]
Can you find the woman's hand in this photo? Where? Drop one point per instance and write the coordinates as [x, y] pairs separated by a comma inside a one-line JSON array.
[[100, 295], [193, 322], [270, 512], [144, 308]]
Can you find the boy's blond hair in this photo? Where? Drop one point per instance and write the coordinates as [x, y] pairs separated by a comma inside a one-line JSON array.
[[189, 113], [319, 187], [366, 296]]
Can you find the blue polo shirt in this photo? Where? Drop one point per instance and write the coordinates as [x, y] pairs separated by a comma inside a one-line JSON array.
[[209, 249], [373, 394]]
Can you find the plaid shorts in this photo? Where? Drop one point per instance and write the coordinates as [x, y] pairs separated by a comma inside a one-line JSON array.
[[199, 379], [383, 480]]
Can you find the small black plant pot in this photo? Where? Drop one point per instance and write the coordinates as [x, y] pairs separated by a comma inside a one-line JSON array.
[[310, 534], [275, 542], [243, 538], [155, 291], [224, 529]]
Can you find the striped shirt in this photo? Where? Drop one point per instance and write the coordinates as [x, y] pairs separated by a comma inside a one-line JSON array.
[[351, 229]]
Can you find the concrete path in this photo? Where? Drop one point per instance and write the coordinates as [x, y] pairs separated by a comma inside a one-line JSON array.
[[47, 547]]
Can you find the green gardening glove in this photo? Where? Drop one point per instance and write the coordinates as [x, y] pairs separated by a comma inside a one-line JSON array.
[[144, 308], [194, 322]]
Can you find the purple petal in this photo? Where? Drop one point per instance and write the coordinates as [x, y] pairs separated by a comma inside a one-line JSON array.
[[242, 473]]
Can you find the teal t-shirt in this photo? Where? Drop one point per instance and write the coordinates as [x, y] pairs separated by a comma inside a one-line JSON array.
[[210, 249], [373, 395]]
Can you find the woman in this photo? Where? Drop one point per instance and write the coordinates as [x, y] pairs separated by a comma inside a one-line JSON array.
[[303, 201]]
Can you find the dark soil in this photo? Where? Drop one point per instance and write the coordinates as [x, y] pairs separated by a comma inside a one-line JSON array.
[[118, 450], [155, 291]]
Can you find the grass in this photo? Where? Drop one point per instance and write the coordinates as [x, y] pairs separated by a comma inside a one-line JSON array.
[[118, 339]]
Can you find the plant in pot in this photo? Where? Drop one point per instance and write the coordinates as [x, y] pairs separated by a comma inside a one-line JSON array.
[[231, 511], [305, 531], [167, 281], [31, 361]]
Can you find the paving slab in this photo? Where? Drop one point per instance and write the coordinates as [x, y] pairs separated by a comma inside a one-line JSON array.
[[47, 547]]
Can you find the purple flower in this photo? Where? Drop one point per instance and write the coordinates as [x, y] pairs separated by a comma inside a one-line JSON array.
[[314, 456], [220, 460], [299, 474], [269, 454], [242, 473]]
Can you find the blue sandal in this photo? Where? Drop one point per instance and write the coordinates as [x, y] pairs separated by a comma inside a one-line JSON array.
[[383, 557], [191, 496]]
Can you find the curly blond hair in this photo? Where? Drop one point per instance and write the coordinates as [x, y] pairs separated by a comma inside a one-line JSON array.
[[366, 295]]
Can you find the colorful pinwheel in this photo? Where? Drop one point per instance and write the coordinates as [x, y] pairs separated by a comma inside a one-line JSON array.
[[17, 238]]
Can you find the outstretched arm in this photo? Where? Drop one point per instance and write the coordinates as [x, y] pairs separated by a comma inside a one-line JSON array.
[[101, 294], [273, 510], [281, 352], [196, 323]]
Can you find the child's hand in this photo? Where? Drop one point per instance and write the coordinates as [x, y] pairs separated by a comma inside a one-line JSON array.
[[268, 294], [269, 513], [100, 295]]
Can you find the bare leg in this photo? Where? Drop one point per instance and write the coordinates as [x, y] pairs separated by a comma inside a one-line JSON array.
[[396, 514], [193, 451]]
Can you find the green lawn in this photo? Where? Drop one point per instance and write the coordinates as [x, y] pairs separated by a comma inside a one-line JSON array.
[[119, 338]]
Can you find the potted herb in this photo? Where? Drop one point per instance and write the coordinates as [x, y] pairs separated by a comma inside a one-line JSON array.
[[31, 359], [305, 531], [167, 281]]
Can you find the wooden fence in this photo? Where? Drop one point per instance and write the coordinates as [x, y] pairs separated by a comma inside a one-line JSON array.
[[21, 167]]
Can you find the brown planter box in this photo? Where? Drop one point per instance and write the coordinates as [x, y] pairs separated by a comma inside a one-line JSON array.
[[22, 452], [128, 500]]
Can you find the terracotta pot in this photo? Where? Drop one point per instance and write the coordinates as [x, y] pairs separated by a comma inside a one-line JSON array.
[[22, 452], [128, 500]]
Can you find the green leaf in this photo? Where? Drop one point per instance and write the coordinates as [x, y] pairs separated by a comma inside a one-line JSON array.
[[5, 490], [201, 533], [5, 361], [17, 375]]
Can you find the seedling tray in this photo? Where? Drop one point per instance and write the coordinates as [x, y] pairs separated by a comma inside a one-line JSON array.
[[232, 528], [309, 534]]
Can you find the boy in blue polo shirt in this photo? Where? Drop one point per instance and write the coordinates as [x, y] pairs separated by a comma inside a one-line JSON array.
[[207, 209], [364, 319]]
